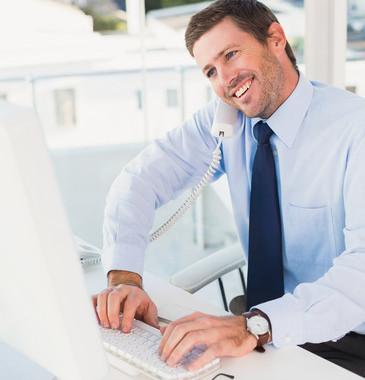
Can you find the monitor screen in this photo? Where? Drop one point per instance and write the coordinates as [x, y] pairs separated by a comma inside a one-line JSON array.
[[46, 312]]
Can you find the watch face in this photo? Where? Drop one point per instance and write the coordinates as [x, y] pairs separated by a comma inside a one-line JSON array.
[[258, 325]]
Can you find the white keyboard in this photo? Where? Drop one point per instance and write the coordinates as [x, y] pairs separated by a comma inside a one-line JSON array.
[[136, 352]]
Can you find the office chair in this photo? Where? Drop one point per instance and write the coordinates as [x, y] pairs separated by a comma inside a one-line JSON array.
[[195, 276], [211, 268]]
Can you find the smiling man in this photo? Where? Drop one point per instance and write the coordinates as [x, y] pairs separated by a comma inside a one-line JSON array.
[[252, 77], [312, 137]]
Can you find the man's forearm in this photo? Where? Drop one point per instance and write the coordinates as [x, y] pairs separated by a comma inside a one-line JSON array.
[[116, 277]]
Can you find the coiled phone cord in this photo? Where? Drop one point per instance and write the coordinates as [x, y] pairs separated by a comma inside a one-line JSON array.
[[217, 155]]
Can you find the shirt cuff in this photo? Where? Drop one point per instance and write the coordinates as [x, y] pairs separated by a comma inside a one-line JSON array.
[[123, 257], [288, 326]]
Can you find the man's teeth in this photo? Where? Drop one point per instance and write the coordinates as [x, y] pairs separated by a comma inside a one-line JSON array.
[[243, 89]]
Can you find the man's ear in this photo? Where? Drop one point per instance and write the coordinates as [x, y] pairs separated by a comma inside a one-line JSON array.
[[276, 40]]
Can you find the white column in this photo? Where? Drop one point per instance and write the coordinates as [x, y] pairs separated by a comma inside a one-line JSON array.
[[326, 41], [135, 16]]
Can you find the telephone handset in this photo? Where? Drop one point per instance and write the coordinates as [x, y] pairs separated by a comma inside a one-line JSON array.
[[223, 126], [224, 120]]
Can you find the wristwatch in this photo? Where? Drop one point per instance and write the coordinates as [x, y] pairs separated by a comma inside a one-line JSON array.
[[258, 324]]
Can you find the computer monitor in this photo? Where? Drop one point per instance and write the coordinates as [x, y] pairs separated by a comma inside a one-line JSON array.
[[46, 312]]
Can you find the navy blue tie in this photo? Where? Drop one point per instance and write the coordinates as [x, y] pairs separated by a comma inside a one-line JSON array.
[[265, 264]]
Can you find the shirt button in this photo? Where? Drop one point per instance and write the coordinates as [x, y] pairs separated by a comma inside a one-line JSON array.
[[287, 339]]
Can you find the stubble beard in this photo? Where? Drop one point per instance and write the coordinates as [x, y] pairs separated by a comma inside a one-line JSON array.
[[272, 84]]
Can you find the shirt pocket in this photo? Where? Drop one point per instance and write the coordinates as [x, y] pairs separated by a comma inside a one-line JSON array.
[[309, 236]]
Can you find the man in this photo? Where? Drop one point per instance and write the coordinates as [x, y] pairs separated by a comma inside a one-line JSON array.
[[319, 151]]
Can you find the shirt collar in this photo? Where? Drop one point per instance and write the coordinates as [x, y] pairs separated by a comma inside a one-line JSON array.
[[287, 119]]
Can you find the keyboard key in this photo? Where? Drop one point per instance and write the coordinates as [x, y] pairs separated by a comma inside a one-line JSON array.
[[139, 348]]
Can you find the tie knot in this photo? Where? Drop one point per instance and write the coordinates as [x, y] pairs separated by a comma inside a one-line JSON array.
[[264, 133]]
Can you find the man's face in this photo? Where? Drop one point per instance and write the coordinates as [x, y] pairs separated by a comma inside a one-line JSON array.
[[243, 72]]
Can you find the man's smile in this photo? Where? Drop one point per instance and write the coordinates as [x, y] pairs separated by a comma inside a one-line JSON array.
[[242, 89]]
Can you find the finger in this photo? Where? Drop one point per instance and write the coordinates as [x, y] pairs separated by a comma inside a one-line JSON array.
[[183, 338], [129, 312], [138, 305], [151, 316], [102, 301], [188, 342], [205, 358], [208, 330], [210, 338], [115, 300], [171, 327], [94, 300]]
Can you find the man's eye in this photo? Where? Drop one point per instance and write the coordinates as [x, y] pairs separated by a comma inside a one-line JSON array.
[[230, 54], [210, 73]]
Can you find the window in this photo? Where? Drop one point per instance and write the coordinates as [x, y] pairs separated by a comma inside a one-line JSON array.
[[128, 92], [172, 98], [355, 66], [139, 99], [65, 107]]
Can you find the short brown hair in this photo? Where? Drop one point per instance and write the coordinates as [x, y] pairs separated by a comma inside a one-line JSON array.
[[251, 16]]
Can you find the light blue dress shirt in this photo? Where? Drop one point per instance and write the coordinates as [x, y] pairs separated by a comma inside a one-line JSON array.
[[319, 151]]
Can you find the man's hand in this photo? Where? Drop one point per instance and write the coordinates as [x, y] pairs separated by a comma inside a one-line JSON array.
[[124, 294], [223, 336]]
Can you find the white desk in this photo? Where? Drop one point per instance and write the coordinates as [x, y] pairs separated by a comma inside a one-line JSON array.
[[274, 364]]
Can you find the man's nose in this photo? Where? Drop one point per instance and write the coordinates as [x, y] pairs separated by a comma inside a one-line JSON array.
[[227, 76]]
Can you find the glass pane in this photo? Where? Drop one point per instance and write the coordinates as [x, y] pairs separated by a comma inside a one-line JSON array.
[[102, 96], [355, 67], [291, 16]]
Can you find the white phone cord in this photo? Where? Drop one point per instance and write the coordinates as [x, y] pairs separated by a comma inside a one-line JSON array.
[[217, 155]]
